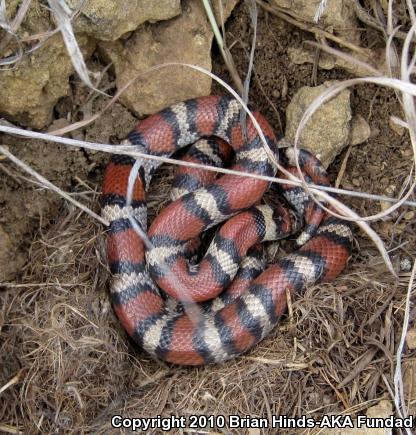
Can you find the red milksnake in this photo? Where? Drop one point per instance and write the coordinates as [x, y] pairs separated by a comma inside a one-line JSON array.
[[242, 315]]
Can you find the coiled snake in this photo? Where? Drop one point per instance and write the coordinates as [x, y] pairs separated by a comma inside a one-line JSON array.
[[255, 296]]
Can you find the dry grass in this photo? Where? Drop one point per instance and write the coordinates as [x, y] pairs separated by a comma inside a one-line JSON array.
[[76, 368], [67, 365]]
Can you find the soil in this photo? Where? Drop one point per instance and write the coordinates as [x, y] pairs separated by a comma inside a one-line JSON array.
[[55, 300]]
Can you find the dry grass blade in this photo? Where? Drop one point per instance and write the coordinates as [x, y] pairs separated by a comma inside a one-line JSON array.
[[362, 364], [3, 16], [320, 9], [17, 21], [226, 54], [13, 381], [10, 34], [408, 105], [370, 21], [411, 11], [251, 4], [6, 428], [399, 400], [63, 15]]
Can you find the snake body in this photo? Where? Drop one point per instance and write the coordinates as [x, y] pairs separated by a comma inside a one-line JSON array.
[[152, 288]]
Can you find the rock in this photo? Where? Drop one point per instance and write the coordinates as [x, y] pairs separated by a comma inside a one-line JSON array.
[[360, 130], [29, 92], [299, 56], [411, 338], [328, 131], [37, 18], [338, 16], [374, 132], [10, 259], [390, 190], [108, 20], [373, 57], [409, 215], [407, 152], [382, 410], [397, 128], [405, 265], [186, 38]]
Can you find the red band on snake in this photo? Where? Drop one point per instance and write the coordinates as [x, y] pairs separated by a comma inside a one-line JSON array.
[[151, 286]]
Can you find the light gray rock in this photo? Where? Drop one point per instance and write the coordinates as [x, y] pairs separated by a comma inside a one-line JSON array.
[[328, 131], [360, 130], [186, 39], [29, 92]]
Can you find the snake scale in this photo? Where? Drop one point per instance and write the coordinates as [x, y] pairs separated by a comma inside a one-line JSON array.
[[153, 289]]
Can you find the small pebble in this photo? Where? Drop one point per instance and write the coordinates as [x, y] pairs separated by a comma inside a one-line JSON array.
[[360, 130], [405, 265], [398, 129], [57, 124], [407, 152], [374, 132], [276, 93], [384, 205]]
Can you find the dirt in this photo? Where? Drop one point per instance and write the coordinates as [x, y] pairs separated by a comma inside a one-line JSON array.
[[28, 209], [378, 166], [102, 372]]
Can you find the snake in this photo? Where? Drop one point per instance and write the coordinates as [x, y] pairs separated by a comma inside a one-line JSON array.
[[187, 312]]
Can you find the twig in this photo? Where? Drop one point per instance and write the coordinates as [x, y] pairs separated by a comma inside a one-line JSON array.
[[366, 18], [362, 364], [341, 171], [345, 56], [308, 27]]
